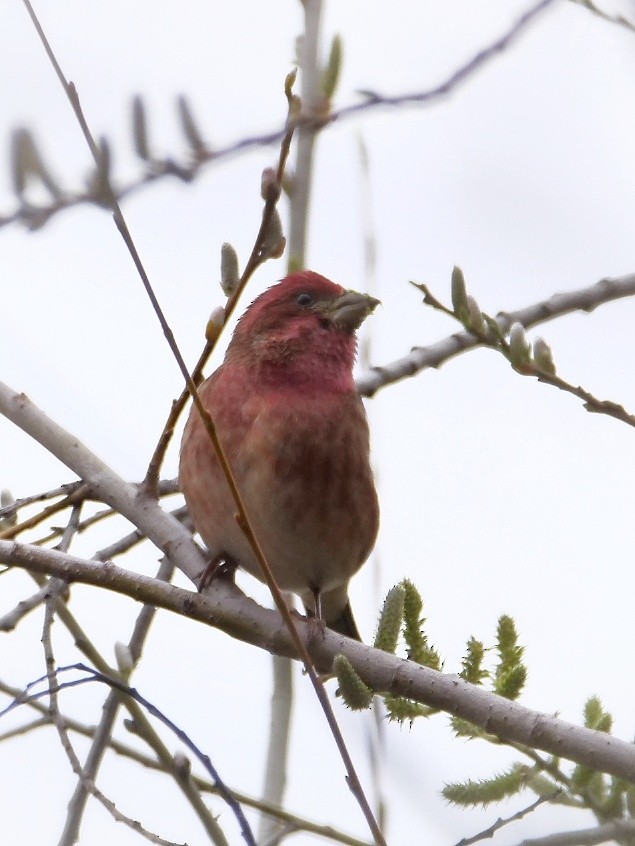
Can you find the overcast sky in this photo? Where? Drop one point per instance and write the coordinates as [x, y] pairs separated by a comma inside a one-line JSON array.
[[499, 494]]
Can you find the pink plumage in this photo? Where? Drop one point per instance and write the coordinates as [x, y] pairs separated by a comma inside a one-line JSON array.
[[295, 434]]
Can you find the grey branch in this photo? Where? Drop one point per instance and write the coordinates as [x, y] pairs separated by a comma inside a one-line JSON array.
[[434, 355], [226, 608], [146, 514], [616, 830]]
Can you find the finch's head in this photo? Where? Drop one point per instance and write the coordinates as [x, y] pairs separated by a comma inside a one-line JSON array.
[[303, 325]]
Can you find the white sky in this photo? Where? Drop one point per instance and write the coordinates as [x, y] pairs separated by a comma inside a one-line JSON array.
[[499, 495]]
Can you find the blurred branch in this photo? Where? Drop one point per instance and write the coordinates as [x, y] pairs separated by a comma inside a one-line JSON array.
[[620, 20], [35, 217], [501, 822], [292, 821], [434, 355], [226, 608], [620, 831], [314, 106], [312, 102], [62, 730]]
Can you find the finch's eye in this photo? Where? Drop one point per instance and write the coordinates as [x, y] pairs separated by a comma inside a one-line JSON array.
[[304, 299]]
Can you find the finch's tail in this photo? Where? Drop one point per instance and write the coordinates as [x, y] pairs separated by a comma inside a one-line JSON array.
[[345, 624]]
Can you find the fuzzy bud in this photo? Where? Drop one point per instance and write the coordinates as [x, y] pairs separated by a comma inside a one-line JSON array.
[[543, 357], [11, 517], [140, 129], [459, 295], [274, 242], [124, 659], [331, 73], [475, 320], [519, 349], [215, 323], [229, 273], [190, 127], [182, 765], [269, 185]]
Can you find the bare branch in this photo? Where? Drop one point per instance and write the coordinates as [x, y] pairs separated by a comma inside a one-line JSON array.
[[144, 512], [491, 830], [226, 608], [615, 830]]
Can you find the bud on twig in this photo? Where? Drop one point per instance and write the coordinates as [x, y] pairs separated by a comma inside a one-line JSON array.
[[140, 129], [269, 185], [189, 126], [544, 357], [459, 295], [475, 319], [331, 73], [11, 517], [27, 162], [214, 325], [100, 186], [390, 620], [229, 274], [274, 242], [124, 659], [519, 349], [182, 764]]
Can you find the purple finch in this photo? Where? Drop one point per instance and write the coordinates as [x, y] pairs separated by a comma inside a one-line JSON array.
[[294, 432]]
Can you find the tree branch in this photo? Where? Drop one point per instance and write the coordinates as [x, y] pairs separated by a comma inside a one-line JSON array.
[[37, 216], [434, 355], [226, 608]]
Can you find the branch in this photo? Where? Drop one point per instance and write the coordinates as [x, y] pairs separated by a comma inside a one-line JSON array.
[[37, 216], [226, 608], [291, 821], [144, 512], [489, 832], [616, 830], [434, 355]]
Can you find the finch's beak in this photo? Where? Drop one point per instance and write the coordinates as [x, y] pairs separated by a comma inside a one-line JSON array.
[[349, 310]]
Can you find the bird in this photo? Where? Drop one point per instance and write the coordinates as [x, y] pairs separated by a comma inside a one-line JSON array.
[[294, 431]]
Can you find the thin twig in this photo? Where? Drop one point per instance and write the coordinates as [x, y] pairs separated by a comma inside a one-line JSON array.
[[12, 618], [202, 784], [77, 495], [58, 722], [434, 355], [527, 366], [116, 684], [62, 490], [501, 822], [617, 19], [257, 257]]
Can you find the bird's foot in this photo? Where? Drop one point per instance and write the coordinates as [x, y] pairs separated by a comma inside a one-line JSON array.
[[221, 567]]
